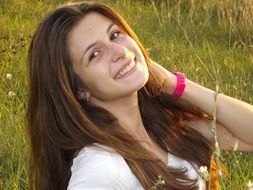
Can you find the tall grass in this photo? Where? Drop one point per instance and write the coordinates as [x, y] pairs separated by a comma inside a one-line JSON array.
[[208, 40]]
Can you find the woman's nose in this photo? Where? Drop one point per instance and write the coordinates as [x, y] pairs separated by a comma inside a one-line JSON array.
[[117, 52]]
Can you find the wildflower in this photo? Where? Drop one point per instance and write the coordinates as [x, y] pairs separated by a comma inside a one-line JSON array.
[[220, 172], [235, 146], [249, 185], [204, 172], [11, 93], [160, 181], [8, 76]]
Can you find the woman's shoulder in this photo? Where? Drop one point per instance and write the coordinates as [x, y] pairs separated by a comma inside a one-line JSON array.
[[94, 166], [99, 167], [96, 157]]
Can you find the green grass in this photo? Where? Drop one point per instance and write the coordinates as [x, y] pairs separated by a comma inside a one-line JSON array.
[[207, 40]]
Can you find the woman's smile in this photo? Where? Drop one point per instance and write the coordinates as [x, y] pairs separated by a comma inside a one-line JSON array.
[[127, 69]]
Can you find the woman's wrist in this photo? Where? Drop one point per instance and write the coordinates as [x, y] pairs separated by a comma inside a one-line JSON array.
[[180, 85]]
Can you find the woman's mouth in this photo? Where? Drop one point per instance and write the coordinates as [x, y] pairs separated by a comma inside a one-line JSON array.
[[127, 70]]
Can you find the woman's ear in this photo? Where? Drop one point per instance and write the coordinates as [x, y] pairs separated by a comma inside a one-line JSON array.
[[83, 94]]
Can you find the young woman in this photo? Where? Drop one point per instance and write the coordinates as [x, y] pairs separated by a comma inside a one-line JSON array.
[[103, 115]]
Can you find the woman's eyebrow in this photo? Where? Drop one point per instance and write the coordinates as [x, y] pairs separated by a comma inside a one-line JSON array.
[[93, 44]]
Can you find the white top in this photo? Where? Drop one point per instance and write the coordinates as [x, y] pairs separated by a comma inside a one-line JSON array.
[[96, 168]]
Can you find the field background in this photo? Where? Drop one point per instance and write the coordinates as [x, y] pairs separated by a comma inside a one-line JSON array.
[[209, 40]]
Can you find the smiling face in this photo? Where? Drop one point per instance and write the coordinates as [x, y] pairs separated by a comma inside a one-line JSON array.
[[106, 58]]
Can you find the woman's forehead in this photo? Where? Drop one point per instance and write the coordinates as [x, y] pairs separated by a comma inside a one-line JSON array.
[[93, 27], [94, 19]]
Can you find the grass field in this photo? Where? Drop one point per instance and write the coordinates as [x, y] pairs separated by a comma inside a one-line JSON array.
[[209, 40]]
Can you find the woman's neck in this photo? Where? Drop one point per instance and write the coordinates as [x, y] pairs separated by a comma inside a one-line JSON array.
[[127, 111]]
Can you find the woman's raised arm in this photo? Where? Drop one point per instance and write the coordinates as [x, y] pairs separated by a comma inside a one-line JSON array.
[[236, 116]]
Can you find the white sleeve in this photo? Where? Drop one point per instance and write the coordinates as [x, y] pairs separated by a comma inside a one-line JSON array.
[[94, 170]]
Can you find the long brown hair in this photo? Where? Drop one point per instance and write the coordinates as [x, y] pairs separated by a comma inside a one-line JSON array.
[[59, 124]]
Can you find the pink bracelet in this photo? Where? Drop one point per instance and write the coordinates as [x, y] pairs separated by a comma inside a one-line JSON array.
[[179, 90]]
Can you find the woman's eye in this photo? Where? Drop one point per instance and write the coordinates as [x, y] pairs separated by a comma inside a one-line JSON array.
[[115, 35], [93, 55]]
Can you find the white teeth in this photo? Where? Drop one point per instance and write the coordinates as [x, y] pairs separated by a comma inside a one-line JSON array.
[[125, 70]]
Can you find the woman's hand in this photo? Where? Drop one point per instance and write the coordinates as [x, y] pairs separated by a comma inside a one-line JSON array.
[[170, 79]]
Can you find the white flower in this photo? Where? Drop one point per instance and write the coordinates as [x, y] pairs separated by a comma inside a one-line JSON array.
[[8, 76], [204, 172], [159, 182], [11, 93], [219, 172], [203, 169], [235, 146], [249, 185]]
